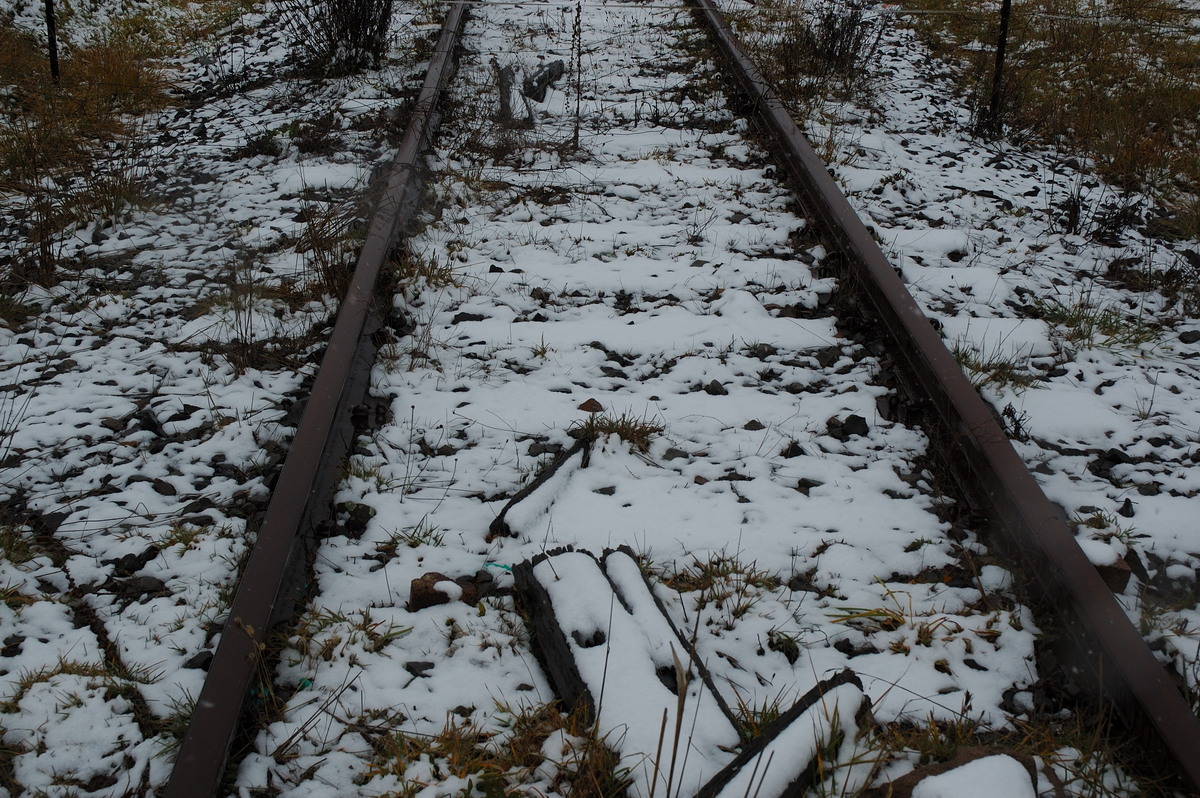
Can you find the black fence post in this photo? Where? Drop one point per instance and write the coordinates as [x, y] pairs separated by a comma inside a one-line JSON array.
[[52, 40], [995, 123]]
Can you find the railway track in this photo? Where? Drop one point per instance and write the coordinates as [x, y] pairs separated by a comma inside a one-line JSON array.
[[618, 267]]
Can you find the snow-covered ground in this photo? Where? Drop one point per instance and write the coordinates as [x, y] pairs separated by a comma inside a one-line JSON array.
[[659, 272], [147, 400], [1103, 406]]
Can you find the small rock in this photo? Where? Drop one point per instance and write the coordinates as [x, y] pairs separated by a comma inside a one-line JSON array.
[[200, 661], [163, 488], [699, 480], [419, 668], [1116, 574], [804, 485], [855, 425], [608, 490], [12, 646], [675, 454], [1126, 510], [592, 406], [793, 449], [828, 356], [715, 388], [1189, 336], [423, 592], [464, 317], [754, 425]]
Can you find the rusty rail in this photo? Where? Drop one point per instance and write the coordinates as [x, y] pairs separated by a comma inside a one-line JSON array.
[[300, 503], [1106, 656]]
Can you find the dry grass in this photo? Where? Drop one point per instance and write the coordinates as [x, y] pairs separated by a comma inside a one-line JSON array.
[[637, 431], [809, 52], [1118, 84], [499, 763], [53, 137], [1076, 749]]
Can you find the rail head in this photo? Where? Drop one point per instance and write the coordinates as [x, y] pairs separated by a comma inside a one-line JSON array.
[[1106, 655]]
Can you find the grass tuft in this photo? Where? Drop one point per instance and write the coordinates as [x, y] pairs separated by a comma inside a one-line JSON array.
[[1086, 323], [637, 431]]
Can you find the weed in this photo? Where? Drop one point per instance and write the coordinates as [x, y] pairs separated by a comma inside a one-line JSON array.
[[423, 534], [995, 368], [413, 270], [786, 643], [1085, 323], [541, 349], [330, 237], [174, 724], [725, 583], [924, 626], [324, 634], [753, 719], [16, 544], [810, 52], [339, 37], [634, 430], [96, 676], [532, 742], [14, 599]]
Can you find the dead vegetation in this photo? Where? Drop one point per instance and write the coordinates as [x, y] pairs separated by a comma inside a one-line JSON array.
[[1114, 85]]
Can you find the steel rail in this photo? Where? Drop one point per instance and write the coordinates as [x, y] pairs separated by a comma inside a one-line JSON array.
[[1106, 657], [300, 503]]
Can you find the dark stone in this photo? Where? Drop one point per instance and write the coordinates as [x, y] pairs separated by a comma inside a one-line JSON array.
[[164, 488], [12, 646], [132, 563], [801, 583], [463, 317], [608, 490], [804, 485], [855, 425], [540, 447], [198, 506], [793, 449], [715, 388], [1126, 510], [754, 425], [675, 454], [828, 356], [1115, 575], [419, 668], [199, 661], [1189, 336]]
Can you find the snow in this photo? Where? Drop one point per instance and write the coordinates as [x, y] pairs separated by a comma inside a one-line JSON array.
[[989, 777], [661, 270]]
